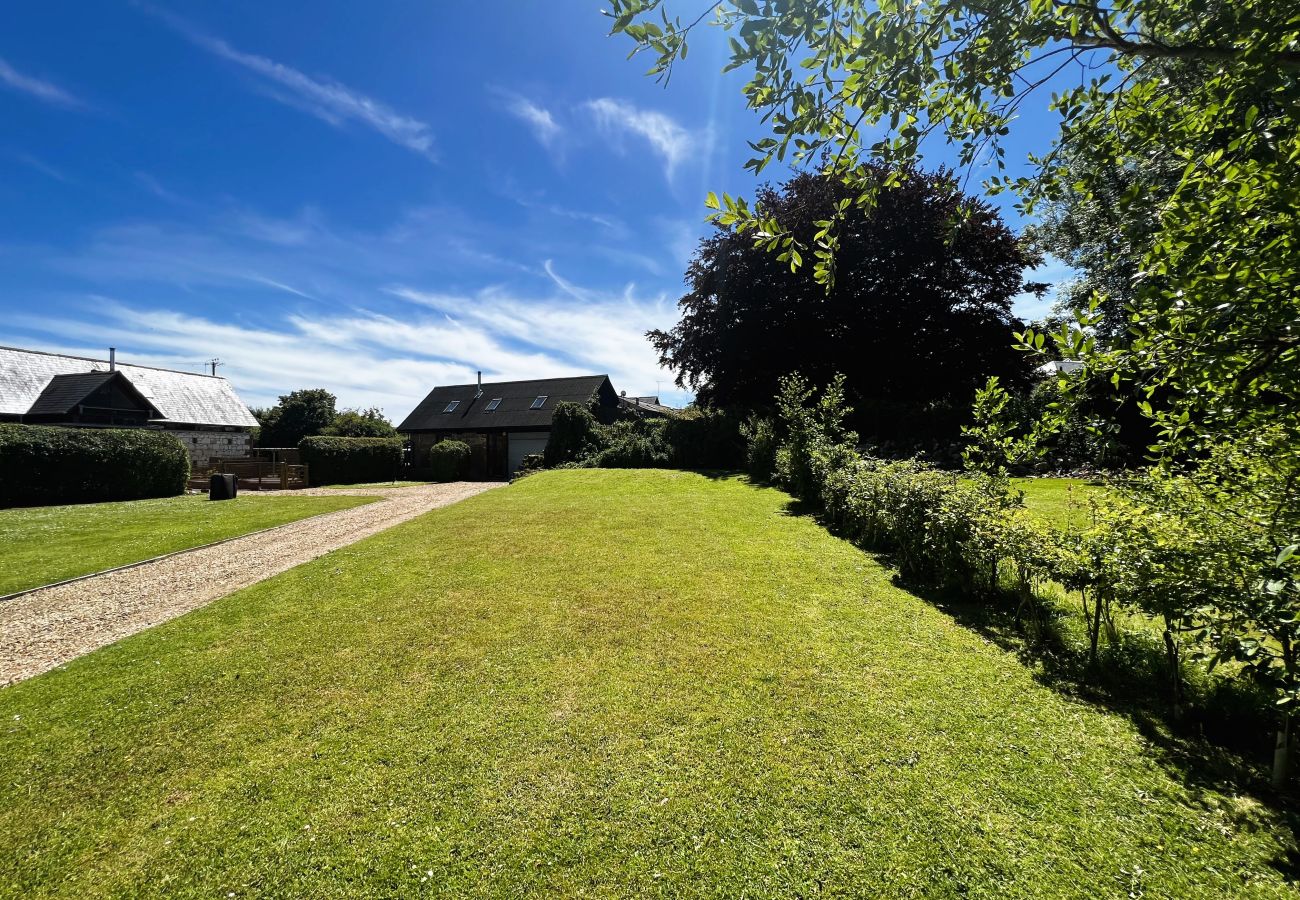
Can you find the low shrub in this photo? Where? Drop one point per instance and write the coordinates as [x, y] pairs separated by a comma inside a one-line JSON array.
[[532, 462], [348, 460], [45, 465], [449, 461]]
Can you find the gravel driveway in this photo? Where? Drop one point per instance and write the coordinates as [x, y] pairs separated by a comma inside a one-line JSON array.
[[50, 626]]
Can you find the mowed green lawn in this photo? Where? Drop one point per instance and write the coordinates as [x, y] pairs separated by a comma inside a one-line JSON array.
[[595, 683], [1061, 501], [41, 545]]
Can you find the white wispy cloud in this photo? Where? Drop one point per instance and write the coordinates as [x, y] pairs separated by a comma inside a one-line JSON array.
[[670, 140], [262, 361], [324, 98], [583, 329], [539, 119], [611, 223], [375, 359], [156, 187], [376, 317], [294, 232], [42, 90], [40, 165]]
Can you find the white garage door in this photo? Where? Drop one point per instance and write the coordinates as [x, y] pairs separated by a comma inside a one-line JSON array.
[[521, 445]]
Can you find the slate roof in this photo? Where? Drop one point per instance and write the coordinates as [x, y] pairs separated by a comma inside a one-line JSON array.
[[65, 392], [183, 398], [514, 410]]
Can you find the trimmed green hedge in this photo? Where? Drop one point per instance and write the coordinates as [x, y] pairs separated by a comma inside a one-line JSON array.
[[345, 460], [42, 465], [449, 460]]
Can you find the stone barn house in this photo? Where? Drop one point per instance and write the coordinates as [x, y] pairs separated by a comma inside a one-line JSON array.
[[503, 421], [203, 411]]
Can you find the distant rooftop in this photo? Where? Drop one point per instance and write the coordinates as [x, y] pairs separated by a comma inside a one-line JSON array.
[[1059, 366], [503, 404]]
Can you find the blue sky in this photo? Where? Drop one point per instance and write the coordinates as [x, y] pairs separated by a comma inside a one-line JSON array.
[[373, 198]]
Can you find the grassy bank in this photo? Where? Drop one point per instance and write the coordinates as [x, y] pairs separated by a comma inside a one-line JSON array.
[[599, 683]]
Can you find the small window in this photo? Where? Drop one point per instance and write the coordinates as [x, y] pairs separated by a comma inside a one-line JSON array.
[[539, 402], [493, 404], [451, 407]]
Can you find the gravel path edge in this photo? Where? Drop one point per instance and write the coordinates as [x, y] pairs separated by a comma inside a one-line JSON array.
[[48, 627]]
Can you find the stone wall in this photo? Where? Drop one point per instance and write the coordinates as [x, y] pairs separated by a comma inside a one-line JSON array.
[[205, 444]]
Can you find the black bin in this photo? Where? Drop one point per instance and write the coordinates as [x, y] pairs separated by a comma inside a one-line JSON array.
[[223, 487]]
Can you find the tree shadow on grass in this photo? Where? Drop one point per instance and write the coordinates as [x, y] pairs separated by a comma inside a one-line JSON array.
[[725, 475], [1219, 739]]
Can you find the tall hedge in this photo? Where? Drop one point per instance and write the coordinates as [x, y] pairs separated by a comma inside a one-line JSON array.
[[344, 460], [704, 439], [43, 465]]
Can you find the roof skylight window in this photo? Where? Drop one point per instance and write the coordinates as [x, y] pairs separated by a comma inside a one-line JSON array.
[[539, 402], [493, 404], [451, 407]]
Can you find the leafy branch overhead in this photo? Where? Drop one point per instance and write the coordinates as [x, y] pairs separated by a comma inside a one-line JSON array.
[[1212, 336]]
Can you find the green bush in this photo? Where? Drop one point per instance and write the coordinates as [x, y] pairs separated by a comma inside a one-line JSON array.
[[346, 460], [449, 461], [815, 436], [760, 447], [43, 465], [574, 434], [1218, 578], [696, 440], [631, 444], [704, 439], [532, 462]]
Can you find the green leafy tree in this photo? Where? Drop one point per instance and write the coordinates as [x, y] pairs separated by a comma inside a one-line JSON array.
[[299, 414], [998, 441], [361, 423], [1217, 306], [1102, 240], [815, 434], [919, 316]]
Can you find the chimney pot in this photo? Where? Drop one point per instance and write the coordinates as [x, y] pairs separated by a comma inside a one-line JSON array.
[[112, 359]]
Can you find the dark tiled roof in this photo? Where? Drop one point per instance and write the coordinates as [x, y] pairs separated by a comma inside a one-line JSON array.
[[515, 409], [181, 397], [65, 392]]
